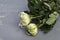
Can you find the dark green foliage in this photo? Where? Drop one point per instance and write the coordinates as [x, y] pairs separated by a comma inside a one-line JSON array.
[[43, 8]]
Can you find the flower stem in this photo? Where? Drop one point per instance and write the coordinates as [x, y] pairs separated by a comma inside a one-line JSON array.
[[35, 17]]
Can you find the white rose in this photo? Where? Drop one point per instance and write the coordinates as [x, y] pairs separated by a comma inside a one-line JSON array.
[[25, 19], [32, 29]]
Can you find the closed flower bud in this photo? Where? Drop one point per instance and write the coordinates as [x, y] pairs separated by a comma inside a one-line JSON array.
[[25, 19], [52, 18], [32, 29]]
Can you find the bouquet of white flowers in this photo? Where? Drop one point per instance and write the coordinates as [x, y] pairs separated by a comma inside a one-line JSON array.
[[42, 15]]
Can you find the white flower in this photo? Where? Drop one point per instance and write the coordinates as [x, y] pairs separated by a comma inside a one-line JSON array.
[[25, 19], [32, 29]]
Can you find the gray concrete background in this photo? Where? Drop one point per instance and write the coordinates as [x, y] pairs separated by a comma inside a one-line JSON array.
[[9, 20]]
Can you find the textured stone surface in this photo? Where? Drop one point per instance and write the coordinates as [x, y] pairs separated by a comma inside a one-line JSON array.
[[9, 20]]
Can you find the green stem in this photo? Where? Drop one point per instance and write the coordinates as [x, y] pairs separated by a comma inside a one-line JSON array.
[[35, 17]]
